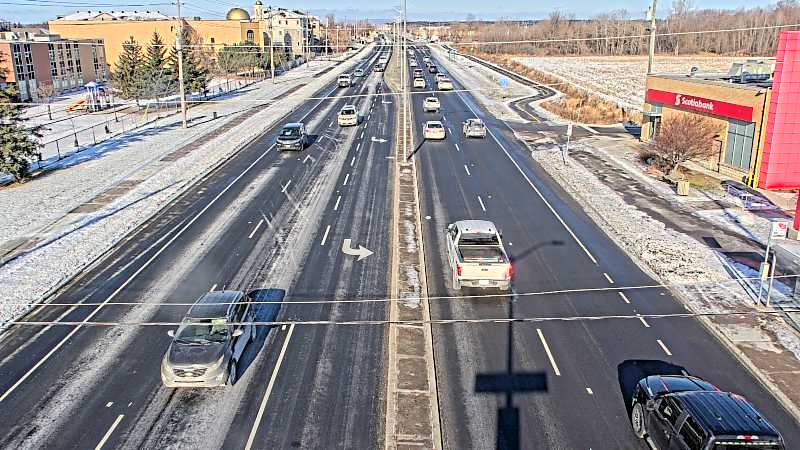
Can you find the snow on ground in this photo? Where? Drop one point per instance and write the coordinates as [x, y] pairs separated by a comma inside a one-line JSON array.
[[484, 84], [622, 78], [40, 202]]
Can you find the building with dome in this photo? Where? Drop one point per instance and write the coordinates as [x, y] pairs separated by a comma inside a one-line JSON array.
[[291, 32]]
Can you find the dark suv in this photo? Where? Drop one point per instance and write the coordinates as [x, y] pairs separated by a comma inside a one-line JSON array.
[[676, 412], [292, 136]]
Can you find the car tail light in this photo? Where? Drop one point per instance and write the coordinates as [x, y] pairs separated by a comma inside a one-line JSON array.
[[458, 269], [510, 271]]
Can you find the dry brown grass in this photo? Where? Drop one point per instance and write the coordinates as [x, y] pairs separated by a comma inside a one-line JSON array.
[[576, 105]]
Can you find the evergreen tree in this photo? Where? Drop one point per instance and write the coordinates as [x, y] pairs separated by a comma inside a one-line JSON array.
[[128, 71], [18, 144], [156, 75], [195, 75]]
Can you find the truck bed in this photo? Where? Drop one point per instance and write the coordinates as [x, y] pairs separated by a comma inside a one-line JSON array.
[[481, 254]]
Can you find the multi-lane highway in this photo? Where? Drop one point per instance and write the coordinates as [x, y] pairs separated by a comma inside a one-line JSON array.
[[552, 384], [264, 220]]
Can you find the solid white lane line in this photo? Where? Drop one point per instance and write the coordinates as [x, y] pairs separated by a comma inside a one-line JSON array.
[[109, 432], [664, 347], [533, 186], [589, 129], [336, 206], [608, 277], [270, 385], [258, 225], [213, 287], [352, 161], [549, 354], [467, 169], [644, 322], [284, 188], [624, 297], [457, 149], [589, 391], [480, 200], [325, 236], [346, 177]]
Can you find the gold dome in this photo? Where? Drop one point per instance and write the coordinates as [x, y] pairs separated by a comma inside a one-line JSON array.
[[237, 14]]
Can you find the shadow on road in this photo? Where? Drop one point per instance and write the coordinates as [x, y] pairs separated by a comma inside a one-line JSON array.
[[265, 312], [509, 383], [630, 371]]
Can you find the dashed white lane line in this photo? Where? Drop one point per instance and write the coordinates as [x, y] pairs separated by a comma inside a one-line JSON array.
[[457, 149], [664, 347], [271, 384], [448, 131], [368, 116], [213, 287], [624, 297], [549, 354], [108, 405], [325, 236], [284, 188], [352, 161], [467, 169], [589, 391], [362, 135], [358, 146], [480, 200], [444, 118], [644, 322], [330, 124], [346, 177], [608, 277], [336, 206], [258, 225], [109, 432]]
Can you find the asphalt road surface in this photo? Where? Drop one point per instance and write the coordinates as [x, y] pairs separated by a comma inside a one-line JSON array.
[[552, 384], [266, 220]]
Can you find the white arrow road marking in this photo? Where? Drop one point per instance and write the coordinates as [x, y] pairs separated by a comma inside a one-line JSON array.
[[284, 188], [379, 140], [362, 252]]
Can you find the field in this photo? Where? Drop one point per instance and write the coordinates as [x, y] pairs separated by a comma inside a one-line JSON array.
[[622, 79]]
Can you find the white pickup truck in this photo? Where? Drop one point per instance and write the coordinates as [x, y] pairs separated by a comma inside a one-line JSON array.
[[476, 255]]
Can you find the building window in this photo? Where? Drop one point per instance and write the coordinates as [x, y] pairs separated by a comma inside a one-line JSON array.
[[251, 36], [212, 40], [739, 148], [51, 52]]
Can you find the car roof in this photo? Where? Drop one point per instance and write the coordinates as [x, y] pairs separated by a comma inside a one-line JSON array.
[[213, 304], [293, 125], [724, 413], [661, 384], [433, 122], [474, 120], [431, 98], [476, 226]]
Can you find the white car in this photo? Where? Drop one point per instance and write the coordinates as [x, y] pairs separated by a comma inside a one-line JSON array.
[[476, 255], [445, 85], [419, 83], [343, 80], [440, 76], [413, 63], [431, 104], [358, 73], [474, 128], [426, 59], [433, 129], [348, 116]]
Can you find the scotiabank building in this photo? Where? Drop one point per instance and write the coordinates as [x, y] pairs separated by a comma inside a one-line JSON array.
[[758, 111]]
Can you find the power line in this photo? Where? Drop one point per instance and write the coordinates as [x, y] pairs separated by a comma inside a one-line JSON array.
[[556, 292]]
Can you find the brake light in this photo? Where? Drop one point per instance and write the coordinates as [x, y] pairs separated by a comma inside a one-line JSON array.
[[510, 271], [458, 269], [747, 437]]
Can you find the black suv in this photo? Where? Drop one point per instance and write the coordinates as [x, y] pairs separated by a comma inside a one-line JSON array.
[[292, 136], [686, 413]]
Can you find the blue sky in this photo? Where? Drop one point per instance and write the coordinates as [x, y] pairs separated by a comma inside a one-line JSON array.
[[41, 10]]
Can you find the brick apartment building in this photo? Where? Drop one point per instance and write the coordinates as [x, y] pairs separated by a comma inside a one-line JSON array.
[[39, 62]]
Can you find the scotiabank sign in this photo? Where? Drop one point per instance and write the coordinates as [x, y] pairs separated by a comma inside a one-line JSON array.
[[705, 105]]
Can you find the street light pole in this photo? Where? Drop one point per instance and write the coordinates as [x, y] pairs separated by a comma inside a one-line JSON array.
[[652, 48], [179, 48], [404, 71]]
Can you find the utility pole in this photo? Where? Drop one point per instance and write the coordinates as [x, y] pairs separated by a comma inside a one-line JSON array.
[[652, 49], [404, 71], [179, 48], [271, 48], [327, 25]]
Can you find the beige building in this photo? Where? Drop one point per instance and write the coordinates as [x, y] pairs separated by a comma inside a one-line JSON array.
[[291, 31]]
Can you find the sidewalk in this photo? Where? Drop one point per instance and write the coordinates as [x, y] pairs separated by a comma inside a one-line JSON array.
[[56, 224]]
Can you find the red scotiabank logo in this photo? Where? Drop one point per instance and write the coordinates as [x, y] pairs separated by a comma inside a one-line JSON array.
[[705, 105], [677, 99]]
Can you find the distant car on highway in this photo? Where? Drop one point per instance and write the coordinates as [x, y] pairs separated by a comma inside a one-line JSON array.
[[292, 136], [440, 76], [433, 129], [432, 69], [426, 59], [431, 104], [348, 116], [358, 73], [680, 412], [413, 63], [379, 67], [344, 80], [419, 82], [207, 346], [417, 73], [474, 128], [444, 84], [476, 255]]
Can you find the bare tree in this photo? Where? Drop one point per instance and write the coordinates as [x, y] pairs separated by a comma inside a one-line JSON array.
[[45, 92], [683, 138]]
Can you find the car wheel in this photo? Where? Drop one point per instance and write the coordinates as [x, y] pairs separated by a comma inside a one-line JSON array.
[[232, 373], [637, 420]]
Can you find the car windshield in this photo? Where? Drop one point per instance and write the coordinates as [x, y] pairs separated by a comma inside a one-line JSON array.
[[290, 132], [348, 111], [203, 331], [434, 125]]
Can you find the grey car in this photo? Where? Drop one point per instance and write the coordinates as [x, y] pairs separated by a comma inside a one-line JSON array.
[[206, 348], [292, 136]]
